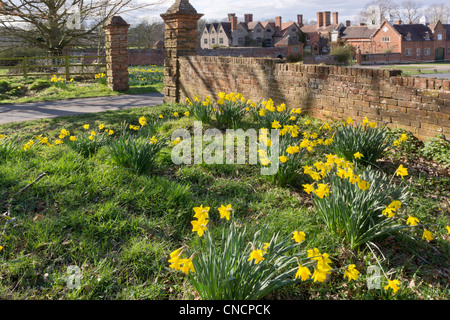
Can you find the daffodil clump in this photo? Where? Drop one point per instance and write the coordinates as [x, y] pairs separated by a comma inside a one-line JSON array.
[[140, 76], [88, 141], [101, 78], [61, 82], [137, 146], [355, 204], [266, 113], [201, 110], [247, 266], [365, 142]]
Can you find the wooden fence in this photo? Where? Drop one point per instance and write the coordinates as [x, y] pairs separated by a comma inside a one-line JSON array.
[[59, 66]]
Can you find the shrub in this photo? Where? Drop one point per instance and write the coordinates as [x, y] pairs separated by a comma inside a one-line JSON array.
[[342, 53], [294, 58], [358, 208], [367, 139]]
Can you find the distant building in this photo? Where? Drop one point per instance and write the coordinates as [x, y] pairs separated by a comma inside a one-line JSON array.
[[415, 42], [248, 33]]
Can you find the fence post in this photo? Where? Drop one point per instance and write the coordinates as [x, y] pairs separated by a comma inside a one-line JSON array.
[[116, 30], [67, 67], [180, 40], [25, 66]]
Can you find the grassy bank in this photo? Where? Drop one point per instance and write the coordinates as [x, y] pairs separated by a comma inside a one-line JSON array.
[[119, 227]]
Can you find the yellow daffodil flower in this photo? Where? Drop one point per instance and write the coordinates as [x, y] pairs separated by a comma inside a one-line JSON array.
[[225, 211], [299, 236], [351, 273]]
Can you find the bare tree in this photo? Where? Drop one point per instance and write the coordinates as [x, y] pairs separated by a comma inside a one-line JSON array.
[[144, 34], [410, 11], [438, 12], [54, 24], [377, 10]]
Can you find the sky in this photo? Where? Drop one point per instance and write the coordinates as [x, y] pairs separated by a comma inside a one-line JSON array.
[[261, 10]]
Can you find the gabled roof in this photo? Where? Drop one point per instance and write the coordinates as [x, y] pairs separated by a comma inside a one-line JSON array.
[[252, 25], [288, 41], [268, 23], [226, 26], [358, 32], [315, 28], [417, 32]]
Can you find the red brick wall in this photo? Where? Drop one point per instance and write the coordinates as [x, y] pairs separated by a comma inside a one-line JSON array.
[[380, 46], [420, 105], [380, 58]]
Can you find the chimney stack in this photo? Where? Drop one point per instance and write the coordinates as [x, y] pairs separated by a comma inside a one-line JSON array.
[[398, 22], [335, 18], [348, 23], [278, 22], [326, 18], [233, 23], [300, 20], [230, 16], [319, 19], [248, 17]]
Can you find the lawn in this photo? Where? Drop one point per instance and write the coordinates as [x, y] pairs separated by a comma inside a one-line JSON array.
[[428, 68], [120, 227], [22, 90]]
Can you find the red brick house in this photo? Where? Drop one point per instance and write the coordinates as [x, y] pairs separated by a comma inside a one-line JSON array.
[[414, 42], [294, 46]]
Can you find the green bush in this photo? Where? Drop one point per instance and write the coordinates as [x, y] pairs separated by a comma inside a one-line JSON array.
[[342, 53]]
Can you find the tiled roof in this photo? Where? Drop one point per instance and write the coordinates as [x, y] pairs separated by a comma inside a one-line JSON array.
[[288, 41], [358, 32], [416, 31], [314, 28]]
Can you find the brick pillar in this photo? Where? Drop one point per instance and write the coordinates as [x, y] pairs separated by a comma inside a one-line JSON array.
[[358, 56], [116, 30], [180, 40]]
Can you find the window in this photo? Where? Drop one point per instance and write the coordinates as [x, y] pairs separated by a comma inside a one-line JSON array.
[[439, 37], [448, 50], [205, 32], [212, 32], [408, 52], [205, 41], [269, 30], [418, 53], [294, 49], [220, 31], [258, 39], [427, 51], [221, 40], [386, 39], [213, 41], [258, 30], [308, 39]]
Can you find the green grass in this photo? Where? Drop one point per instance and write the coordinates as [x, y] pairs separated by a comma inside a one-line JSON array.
[[413, 70], [29, 92], [120, 227]]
